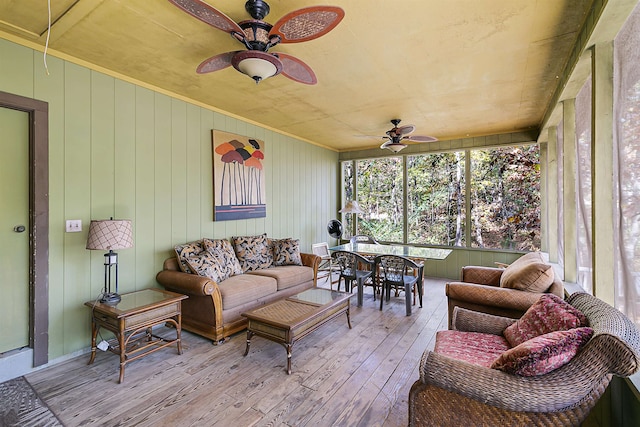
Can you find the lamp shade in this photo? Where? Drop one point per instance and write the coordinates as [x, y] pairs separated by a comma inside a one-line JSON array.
[[109, 234], [351, 207]]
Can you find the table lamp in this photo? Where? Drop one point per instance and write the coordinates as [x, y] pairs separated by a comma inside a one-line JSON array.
[[352, 207], [110, 234]]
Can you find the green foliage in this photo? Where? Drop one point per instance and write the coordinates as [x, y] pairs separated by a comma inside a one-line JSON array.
[[505, 198]]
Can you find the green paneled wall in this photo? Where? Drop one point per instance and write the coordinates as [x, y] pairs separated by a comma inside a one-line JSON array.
[[122, 150]]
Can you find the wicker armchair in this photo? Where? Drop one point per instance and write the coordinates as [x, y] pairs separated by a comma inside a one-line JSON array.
[[479, 289], [452, 392]]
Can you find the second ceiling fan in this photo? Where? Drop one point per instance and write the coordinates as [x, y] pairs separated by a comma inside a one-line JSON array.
[[396, 135], [259, 36]]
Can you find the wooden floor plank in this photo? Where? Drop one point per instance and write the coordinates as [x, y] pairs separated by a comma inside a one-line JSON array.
[[359, 376]]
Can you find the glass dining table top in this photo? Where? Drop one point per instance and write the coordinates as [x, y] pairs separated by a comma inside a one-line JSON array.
[[402, 250]]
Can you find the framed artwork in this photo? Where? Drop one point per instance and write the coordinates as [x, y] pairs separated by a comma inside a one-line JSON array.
[[238, 177]]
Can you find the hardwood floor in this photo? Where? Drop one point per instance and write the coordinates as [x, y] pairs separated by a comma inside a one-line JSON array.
[[340, 376]]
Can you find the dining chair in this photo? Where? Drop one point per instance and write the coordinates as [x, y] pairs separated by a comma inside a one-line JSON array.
[[354, 267], [327, 263], [399, 272]]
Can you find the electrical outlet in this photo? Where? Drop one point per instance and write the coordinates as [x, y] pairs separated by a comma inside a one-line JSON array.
[[74, 225]]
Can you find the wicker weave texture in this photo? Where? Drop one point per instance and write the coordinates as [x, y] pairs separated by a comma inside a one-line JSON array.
[[452, 392]]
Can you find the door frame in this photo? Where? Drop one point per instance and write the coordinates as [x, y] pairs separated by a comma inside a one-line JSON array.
[[38, 220]]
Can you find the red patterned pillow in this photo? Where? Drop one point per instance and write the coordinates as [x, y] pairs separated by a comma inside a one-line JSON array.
[[549, 314], [544, 353]]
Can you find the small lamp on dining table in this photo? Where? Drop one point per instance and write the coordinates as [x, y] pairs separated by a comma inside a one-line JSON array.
[[351, 207], [110, 234]]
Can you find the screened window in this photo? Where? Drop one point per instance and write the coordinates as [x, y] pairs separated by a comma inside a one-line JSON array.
[[627, 139], [505, 198], [435, 199], [503, 195], [583, 185], [379, 186]]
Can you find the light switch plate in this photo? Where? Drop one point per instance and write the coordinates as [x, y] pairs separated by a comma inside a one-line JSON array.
[[74, 225]]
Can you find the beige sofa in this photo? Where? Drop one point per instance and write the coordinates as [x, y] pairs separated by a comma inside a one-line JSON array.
[[213, 309]]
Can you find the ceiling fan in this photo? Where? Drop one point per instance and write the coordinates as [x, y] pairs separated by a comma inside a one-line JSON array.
[[258, 37], [396, 135]]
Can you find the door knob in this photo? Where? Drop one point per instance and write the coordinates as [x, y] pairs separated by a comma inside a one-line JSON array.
[[19, 228]]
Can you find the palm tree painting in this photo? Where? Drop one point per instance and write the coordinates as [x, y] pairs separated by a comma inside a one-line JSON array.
[[238, 177]]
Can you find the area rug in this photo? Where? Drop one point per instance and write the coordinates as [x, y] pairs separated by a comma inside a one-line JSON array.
[[21, 406]]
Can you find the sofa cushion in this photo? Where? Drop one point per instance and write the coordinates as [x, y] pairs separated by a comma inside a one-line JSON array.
[[472, 347], [253, 252], [286, 252], [543, 353], [528, 273], [243, 288], [287, 275], [205, 264], [549, 314], [184, 251], [223, 251]]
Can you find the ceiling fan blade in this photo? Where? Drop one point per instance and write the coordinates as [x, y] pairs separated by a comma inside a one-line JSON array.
[[405, 130], [208, 14], [215, 63], [421, 138], [307, 23], [297, 70]]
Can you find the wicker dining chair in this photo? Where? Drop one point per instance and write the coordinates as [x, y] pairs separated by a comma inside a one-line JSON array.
[[354, 267], [453, 392], [396, 271]]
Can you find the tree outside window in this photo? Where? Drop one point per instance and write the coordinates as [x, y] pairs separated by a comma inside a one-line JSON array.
[[505, 198], [380, 192], [435, 199]]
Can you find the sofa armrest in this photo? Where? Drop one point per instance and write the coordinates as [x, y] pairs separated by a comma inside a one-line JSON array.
[[475, 321], [313, 261], [188, 284], [481, 275]]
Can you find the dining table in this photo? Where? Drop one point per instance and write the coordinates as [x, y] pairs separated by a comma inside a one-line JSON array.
[[417, 253]]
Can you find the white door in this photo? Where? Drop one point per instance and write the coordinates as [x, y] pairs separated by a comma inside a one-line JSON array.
[[14, 229]]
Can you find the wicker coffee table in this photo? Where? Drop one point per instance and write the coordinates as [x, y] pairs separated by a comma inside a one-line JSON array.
[[290, 319]]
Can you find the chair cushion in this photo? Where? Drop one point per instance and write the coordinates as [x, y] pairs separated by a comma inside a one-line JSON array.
[[223, 251], [286, 275], [184, 251], [243, 288], [472, 347], [549, 314], [253, 252], [543, 353], [528, 273]]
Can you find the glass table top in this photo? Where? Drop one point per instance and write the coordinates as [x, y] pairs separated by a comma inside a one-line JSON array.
[[402, 250], [317, 296]]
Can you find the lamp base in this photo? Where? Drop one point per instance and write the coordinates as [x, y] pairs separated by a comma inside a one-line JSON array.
[[110, 298]]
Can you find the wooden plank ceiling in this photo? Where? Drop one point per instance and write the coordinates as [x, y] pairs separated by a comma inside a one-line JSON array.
[[453, 69]]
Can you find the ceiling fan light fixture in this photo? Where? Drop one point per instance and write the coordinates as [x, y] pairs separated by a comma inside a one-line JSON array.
[[257, 65], [396, 146]]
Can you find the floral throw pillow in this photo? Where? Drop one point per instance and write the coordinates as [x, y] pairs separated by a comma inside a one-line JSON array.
[[543, 353], [207, 265], [549, 314], [222, 250], [252, 252], [183, 252], [286, 252]]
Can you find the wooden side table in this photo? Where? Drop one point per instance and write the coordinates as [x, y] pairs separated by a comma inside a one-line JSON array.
[[132, 320]]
